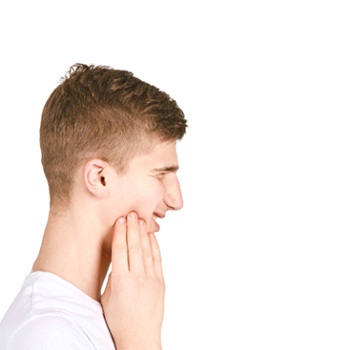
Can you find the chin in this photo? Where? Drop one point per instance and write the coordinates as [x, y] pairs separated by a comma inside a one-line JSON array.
[[153, 226]]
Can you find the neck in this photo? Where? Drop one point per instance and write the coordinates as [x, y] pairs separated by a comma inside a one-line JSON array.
[[73, 249]]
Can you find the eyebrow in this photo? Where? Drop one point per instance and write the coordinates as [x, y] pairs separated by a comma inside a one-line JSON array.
[[172, 169]]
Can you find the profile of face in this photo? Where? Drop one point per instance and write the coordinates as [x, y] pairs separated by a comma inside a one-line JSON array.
[[149, 186]]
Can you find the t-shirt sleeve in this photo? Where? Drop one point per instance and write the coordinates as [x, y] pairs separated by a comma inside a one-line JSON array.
[[50, 333]]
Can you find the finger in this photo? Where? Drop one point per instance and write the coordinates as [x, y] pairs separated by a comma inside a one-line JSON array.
[[119, 247], [157, 259], [134, 244], [146, 248]]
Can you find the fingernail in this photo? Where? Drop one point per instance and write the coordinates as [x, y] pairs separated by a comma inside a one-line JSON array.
[[132, 215], [121, 221]]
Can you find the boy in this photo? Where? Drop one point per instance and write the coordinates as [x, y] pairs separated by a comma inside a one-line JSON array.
[[108, 143]]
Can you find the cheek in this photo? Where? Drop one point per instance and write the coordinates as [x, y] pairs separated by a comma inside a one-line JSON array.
[[145, 199]]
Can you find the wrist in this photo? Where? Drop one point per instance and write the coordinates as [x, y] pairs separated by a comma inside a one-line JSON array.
[[135, 344], [140, 347]]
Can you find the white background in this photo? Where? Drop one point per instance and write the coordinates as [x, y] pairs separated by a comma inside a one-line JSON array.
[[259, 256]]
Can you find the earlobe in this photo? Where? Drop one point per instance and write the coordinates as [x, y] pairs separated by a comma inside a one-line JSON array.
[[95, 177]]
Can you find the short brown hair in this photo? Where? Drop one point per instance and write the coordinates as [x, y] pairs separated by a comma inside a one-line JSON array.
[[98, 111]]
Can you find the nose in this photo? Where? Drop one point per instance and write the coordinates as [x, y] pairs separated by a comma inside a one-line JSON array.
[[173, 196]]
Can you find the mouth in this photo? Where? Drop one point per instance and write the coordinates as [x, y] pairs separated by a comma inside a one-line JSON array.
[[155, 223]]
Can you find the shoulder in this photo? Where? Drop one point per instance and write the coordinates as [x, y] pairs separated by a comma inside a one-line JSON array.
[[49, 332]]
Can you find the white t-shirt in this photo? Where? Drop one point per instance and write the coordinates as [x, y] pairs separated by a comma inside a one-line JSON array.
[[51, 314]]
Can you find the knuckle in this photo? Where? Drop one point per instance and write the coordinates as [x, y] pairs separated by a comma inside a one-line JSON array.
[[134, 247]]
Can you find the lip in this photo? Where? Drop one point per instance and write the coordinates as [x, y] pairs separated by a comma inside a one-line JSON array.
[[159, 215]]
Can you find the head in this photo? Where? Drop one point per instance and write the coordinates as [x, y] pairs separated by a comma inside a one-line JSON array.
[[97, 112]]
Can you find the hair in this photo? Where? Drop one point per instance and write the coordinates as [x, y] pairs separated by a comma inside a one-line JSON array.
[[101, 112]]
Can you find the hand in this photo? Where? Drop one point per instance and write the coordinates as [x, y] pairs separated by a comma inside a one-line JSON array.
[[133, 301]]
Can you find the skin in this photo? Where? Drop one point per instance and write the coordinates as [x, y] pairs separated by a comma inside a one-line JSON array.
[[135, 288], [80, 243]]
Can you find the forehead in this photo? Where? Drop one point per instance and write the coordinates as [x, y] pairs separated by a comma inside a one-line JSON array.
[[161, 155]]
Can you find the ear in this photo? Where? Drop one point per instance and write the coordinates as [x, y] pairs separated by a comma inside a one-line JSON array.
[[95, 177]]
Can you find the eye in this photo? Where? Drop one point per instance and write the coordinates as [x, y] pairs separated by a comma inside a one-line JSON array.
[[161, 175]]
